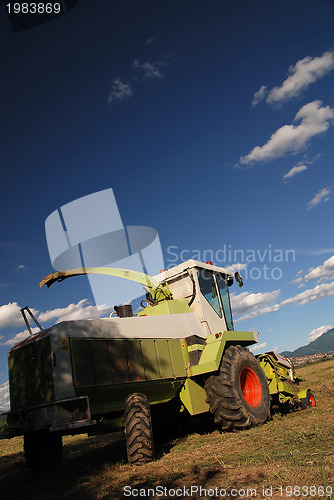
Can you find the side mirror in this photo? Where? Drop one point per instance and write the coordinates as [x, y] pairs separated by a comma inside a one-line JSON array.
[[238, 279], [229, 280]]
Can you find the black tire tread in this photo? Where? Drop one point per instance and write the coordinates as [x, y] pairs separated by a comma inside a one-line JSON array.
[[305, 402], [226, 402], [138, 425]]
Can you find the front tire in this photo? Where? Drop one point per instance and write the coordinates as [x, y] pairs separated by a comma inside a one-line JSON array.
[[308, 401], [239, 396], [138, 428]]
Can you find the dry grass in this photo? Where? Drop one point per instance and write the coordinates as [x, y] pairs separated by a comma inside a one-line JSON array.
[[296, 449]]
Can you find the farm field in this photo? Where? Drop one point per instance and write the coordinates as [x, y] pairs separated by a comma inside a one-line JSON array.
[[272, 461]]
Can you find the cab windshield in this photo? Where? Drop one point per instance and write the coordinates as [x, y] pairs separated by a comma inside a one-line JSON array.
[[214, 288]]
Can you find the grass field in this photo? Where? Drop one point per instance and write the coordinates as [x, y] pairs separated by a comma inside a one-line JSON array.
[[295, 450]]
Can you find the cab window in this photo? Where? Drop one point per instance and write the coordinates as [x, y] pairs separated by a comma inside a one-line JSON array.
[[208, 289], [211, 285], [225, 297]]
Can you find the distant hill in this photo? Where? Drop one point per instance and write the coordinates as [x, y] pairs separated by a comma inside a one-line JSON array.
[[321, 345]]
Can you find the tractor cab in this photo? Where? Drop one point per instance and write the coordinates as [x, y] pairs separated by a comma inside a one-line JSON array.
[[206, 290]]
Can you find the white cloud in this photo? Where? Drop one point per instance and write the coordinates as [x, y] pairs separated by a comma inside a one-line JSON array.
[[321, 196], [71, 312], [325, 270], [236, 267], [246, 301], [4, 396], [150, 70], [317, 332], [305, 297], [19, 337], [318, 251], [151, 40], [294, 171], [143, 71], [258, 347], [297, 281], [119, 91], [259, 95], [21, 267], [10, 315], [315, 120], [301, 75], [322, 273], [311, 295]]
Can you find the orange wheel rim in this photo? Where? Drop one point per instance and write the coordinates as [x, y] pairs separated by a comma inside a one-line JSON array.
[[250, 387], [312, 400]]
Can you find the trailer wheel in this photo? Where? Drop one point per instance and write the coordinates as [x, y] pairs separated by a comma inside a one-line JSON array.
[[138, 428], [239, 395], [43, 450], [308, 401]]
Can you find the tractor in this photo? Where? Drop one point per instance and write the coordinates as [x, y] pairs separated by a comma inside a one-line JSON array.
[[178, 355]]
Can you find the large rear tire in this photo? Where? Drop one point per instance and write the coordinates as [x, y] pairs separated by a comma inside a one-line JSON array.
[[238, 396], [138, 428]]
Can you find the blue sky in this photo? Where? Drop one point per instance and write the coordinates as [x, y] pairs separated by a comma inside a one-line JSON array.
[[211, 121]]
